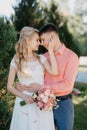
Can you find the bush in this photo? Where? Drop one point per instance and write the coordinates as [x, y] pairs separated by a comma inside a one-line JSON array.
[[6, 108], [8, 37]]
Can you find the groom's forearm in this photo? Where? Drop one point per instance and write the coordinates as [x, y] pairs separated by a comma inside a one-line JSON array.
[[21, 87], [33, 87]]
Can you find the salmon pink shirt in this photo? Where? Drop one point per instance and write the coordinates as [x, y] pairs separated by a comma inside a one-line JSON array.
[[68, 62]]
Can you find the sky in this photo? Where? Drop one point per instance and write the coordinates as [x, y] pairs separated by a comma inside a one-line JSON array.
[[6, 6]]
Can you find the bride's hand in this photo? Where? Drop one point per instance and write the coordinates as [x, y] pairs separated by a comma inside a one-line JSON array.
[[33, 87], [28, 100], [51, 44]]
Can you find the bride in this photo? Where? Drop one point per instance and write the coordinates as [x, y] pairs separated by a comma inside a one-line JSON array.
[[29, 68]]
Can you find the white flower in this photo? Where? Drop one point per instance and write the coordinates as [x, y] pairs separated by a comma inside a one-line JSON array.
[[45, 99], [42, 95], [47, 92]]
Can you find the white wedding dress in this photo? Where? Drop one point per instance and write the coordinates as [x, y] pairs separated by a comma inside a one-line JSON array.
[[30, 117]]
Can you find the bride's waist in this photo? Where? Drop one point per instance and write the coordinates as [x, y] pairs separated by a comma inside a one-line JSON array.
[[27, 92], [27, 82]]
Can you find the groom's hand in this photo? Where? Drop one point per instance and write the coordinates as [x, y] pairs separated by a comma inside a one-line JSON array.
[[33, 87], [21, 87]]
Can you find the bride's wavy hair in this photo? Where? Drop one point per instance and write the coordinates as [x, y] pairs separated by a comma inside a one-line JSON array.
[[21, 48]]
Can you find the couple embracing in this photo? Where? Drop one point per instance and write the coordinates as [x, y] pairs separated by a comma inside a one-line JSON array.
[[56, 70]]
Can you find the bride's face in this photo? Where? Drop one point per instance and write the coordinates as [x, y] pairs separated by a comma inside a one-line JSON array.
[[34, 42]]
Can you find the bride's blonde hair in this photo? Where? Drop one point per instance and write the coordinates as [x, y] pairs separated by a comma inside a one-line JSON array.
[[21, 48]]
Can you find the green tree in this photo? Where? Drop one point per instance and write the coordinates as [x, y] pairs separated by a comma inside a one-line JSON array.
[[7, 42], [27, 13], [54, 16], [78, 30]]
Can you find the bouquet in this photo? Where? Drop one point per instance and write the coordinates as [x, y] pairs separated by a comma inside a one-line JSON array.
[[44, 98]]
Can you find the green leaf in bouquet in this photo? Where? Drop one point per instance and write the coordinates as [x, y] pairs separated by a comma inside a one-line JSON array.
[[22, 103]]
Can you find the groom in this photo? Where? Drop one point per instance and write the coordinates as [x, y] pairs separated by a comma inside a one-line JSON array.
[[62, 84]]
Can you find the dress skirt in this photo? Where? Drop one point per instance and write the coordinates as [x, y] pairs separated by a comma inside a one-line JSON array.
[[30, 117]]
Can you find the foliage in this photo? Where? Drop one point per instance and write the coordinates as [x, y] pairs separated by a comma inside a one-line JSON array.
[[27, 13], [83, 45], [54, 16], [77, 24], [80, 104], [77, 29], [6, 108], [7, 42]]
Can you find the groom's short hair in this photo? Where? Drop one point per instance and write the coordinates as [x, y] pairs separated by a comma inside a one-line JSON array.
[[48, 28]]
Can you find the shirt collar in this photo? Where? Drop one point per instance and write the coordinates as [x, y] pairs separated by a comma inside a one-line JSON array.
[[60, 50]]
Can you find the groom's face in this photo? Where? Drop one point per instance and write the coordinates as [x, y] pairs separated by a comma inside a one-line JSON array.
[[45, 37]]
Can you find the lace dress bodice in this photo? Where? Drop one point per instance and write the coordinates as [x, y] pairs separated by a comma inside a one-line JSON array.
[[34, 72]]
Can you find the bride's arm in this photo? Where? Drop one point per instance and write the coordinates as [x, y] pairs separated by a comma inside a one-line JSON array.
[[10, 85], [51, 67]]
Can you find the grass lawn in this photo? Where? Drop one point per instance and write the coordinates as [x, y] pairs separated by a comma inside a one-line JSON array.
[[80, 104]]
